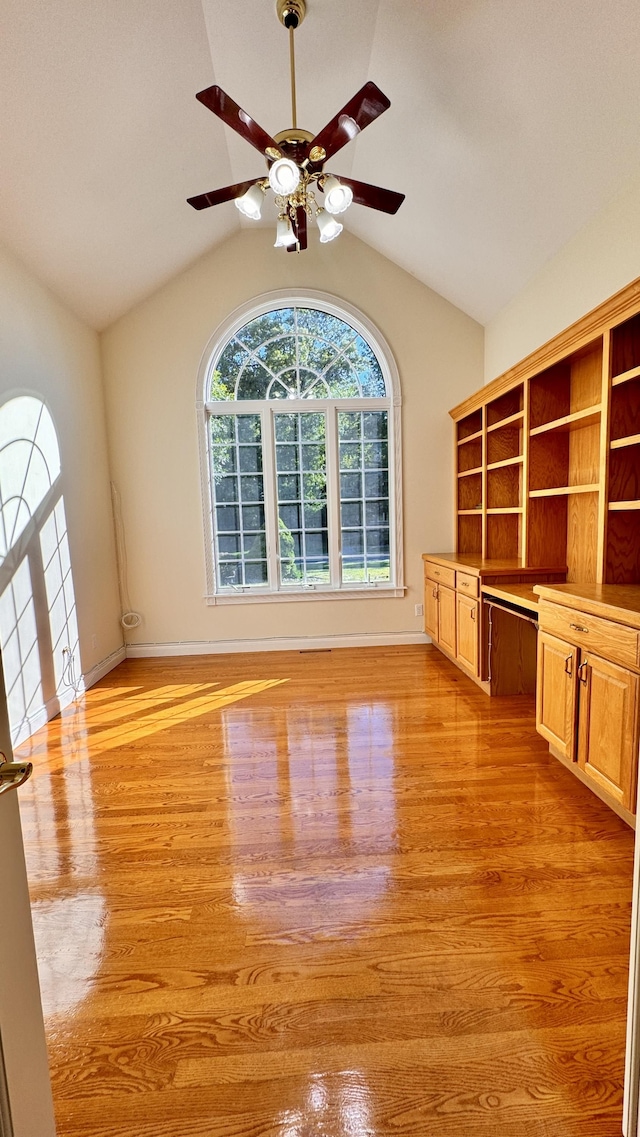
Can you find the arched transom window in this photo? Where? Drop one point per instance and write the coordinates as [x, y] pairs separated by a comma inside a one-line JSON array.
[[302, 454]]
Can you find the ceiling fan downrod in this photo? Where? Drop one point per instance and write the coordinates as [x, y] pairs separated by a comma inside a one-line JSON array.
[[291, 13]]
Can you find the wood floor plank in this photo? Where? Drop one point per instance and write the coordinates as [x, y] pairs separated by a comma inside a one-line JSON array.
[[336, 894]]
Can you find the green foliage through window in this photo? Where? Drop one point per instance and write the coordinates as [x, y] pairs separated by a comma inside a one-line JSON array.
[[297, 353]]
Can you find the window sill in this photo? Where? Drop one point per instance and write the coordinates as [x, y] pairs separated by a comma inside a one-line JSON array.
[[307, 594]]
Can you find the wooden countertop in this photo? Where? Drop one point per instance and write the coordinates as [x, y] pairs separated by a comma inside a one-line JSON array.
[[620, 602], [521, 594], [476, 566]]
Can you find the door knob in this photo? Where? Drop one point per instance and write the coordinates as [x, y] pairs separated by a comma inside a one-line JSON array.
[[13, 774]]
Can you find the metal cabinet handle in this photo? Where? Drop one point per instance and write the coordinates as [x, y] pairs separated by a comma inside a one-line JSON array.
[[473, 613], [567, 665], [584, 664], [13, 774], [435, 594], [578, 628]]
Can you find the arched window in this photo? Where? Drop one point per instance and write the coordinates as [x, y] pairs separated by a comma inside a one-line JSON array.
[[301, 448], [38, 626]]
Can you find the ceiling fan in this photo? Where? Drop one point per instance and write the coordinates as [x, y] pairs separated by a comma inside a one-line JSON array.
[[296, 158]]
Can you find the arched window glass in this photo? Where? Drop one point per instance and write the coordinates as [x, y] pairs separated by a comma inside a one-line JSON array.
[[38, 626], [302, 454], [297, 353]]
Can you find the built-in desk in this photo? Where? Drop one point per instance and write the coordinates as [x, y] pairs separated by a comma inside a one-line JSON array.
[[511, 626], [458, 617]]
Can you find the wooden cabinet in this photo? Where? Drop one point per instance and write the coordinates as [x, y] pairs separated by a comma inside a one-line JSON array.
[[431, 609], [607, 728], [587, 707], [440, 614], [451, 617], [556, 693], [447, 619], [467, 639]]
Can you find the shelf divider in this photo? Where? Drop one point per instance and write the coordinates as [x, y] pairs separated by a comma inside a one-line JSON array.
[[630, 440], [588, 417], [558, 491], [620, 506], [506, 421], [625, 376], [470, 438], [506, 462], [468, 473]]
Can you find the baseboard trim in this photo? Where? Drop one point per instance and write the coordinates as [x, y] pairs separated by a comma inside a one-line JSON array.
[[280, 643], [105, 666], [36, 720]]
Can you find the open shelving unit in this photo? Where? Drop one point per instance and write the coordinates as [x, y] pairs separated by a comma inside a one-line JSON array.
[[549, 454]]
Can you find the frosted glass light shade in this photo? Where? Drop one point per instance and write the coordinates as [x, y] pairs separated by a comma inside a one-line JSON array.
[[250, 204], [328, 226], [284, 177], [285, 235], [337, 197]]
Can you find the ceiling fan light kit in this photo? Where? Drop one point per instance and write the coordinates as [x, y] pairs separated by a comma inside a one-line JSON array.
[[295, 159]]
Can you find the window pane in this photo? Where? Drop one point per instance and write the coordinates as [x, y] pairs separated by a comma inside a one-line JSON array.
[[269, 326], [299, 352], [251, 488], [350, 486], [227, 489], [288, 459], [364, 523], [240, 538], [250, 458], [302, 515]]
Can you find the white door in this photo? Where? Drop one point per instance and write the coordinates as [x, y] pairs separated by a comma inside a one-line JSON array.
[[26, 1106]]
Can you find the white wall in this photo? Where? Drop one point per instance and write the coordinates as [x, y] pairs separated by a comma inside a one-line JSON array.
[[151, 358], [602, 258], [48, 353]]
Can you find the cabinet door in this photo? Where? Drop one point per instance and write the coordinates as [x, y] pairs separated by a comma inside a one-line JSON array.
[[467, 632], [447, 619], [431, 609], [607, 727], [556, 693]]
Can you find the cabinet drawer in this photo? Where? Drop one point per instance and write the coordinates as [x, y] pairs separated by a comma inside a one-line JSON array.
[[440, 573], [605, 637], [468, 584]]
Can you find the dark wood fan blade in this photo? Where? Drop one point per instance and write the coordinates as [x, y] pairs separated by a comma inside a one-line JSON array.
[[216, 197], [216, 100], [299, 225], [361, 110], [386, 200]]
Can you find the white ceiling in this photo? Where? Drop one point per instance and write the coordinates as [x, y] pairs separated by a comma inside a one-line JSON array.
[[512, 122]]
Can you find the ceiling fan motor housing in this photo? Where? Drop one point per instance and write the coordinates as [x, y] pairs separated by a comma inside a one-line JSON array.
[[291, 13]]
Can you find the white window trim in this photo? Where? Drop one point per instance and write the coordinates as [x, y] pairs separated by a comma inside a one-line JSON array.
[[342, 310]]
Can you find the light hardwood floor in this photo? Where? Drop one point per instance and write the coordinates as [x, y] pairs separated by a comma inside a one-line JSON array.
[[326, 894]]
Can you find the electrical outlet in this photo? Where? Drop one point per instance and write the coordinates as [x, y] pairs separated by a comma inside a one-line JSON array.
[[419, 609]]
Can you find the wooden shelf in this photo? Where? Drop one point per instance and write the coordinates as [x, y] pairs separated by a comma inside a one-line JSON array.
[[506, 421], [576, 421], [505, 462], [558, 491], [470, 512], [507, 509], [633, 373], [470, 438], [467, 473], [619, 506], [630, 440]]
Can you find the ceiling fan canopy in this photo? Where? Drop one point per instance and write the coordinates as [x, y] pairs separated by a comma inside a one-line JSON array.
[[296, 159]]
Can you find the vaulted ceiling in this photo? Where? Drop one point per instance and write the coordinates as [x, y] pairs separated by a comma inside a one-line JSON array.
[[512, 123]]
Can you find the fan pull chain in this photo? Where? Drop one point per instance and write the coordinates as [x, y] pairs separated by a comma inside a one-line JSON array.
[[292, 60]]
